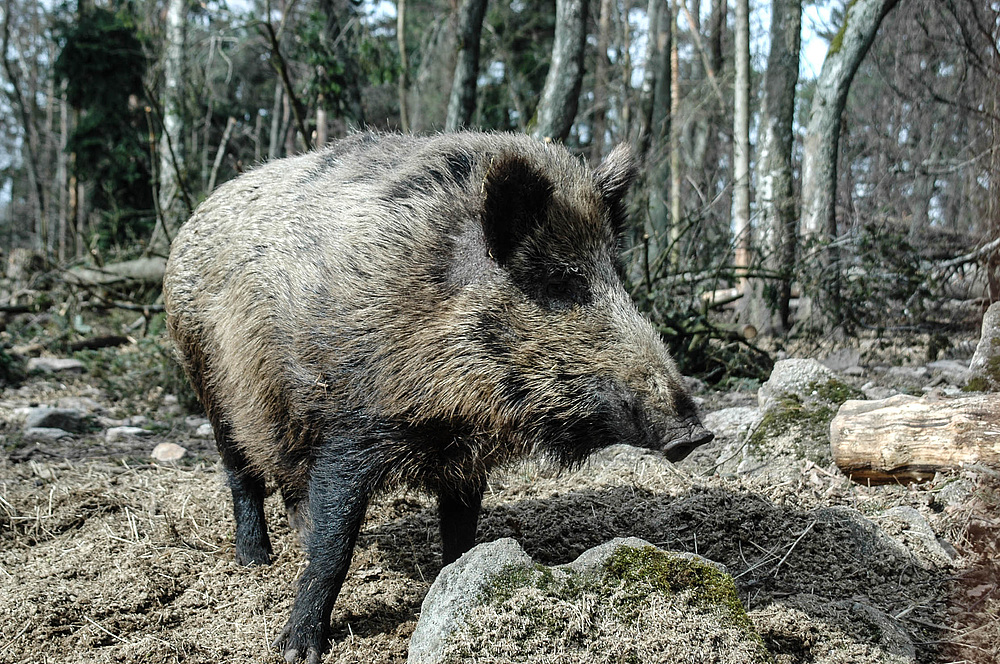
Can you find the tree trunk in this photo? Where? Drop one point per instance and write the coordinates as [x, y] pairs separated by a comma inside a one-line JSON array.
[[561, 94], [658, 134], [821, 143], [599, 126], [462, 102], [172, 158], [775, 192], [741, 138], [675, 144], [650, 75], [404, 66], [35, 184], [274, 137]]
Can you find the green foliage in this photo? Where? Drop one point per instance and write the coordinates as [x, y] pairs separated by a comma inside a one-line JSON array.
[[102, 64], [376, 61]]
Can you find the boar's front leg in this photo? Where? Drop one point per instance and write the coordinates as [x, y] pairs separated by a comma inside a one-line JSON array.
[[341, 483], [458, 508]]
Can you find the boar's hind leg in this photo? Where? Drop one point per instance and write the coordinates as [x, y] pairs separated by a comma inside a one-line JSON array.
[[459, 512], [341, 483], [253, 547]]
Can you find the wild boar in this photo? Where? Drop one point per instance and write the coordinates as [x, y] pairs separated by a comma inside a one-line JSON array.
[[398, 310]]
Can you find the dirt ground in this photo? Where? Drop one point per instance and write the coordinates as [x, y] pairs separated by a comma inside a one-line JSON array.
[[106, 556]]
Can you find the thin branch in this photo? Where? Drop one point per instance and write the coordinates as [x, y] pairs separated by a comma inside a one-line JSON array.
[[281, 67]]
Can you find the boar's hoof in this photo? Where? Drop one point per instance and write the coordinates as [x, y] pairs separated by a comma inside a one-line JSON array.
[[297, 647], [679, 448], [252, 555]]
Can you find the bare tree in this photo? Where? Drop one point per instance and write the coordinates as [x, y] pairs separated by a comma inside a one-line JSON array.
[[172, 159], [819, 158], [561, 94], [741, 137], [462, 102], [775, 194]]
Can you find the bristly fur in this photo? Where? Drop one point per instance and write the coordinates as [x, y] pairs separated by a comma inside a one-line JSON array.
[[413, 310]]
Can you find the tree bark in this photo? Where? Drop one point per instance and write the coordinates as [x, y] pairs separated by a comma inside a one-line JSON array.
[[599, 125], [172, 157], [741, 137], [35, 184], [462, 102], [404, 66], [561, 94], [906, 439], [775, 192], [821, 144]]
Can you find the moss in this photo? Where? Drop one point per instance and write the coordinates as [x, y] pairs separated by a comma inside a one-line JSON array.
[[539, 601], [835, 391], [989, 379], [838, 39], [806, 422], [673, 574]]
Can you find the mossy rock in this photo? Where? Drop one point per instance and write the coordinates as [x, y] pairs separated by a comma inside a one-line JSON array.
[[625, 601]]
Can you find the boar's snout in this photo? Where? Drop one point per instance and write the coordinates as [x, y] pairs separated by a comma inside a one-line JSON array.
[[678, 448]]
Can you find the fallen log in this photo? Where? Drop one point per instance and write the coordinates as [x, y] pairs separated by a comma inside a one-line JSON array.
[[146, 270], [906, 439]]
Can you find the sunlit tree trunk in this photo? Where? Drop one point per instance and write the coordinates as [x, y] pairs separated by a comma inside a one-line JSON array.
[[171, 149], [741, 138], [775, 195], [821, 144], [561, 94], [462, 102]]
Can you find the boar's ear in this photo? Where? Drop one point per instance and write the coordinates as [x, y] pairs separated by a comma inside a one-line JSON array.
[[515, 195], [614, 177]]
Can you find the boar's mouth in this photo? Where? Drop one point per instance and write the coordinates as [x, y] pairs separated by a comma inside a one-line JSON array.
[[676, 434]]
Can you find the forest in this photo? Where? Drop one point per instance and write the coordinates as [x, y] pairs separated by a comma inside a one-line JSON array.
[[784, 190], [813, 233]]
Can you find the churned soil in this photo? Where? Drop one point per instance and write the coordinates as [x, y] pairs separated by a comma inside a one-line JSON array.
[[106, 556]]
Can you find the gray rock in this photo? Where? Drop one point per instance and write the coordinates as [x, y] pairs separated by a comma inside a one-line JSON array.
[[842, 360], [952, 371], [68, 419], [193, 421], [909, 527], [731, 423], [45, 435], [83, 404], [839, 630], [793, 376], [984, 370], [119, 434], [204, 431], [495, 605], [54, 365], [455, 590]]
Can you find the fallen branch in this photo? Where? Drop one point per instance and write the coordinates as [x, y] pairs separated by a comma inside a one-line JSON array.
[[145, 270]]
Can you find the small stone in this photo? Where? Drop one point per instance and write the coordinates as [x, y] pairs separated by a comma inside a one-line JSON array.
[[83, 404], [137, 420], [193, 421], [841, 360], [204, 431], [168, 452], [45, 435], [54, 365], [68, 419], [118, 434]]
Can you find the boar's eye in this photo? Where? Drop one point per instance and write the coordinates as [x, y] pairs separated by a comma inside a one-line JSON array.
[[563, 291]]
